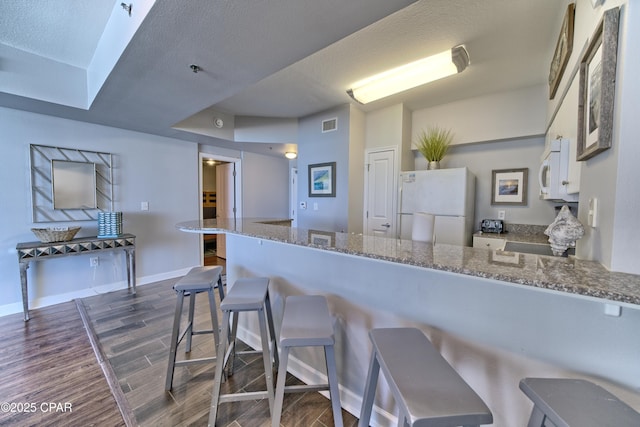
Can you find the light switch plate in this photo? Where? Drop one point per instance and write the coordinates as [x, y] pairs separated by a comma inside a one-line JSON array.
[[592, 214]]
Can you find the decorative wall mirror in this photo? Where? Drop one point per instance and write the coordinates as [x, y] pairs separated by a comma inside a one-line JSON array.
[[73, 185], [69, 184]]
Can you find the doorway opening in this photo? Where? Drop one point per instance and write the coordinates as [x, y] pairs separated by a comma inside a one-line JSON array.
[[220, 198]]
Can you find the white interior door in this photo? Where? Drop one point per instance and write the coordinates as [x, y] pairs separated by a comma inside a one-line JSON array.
[[380, 196], [225, 201]]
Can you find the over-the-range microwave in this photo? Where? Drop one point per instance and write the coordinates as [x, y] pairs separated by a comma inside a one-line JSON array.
[[554, 172]]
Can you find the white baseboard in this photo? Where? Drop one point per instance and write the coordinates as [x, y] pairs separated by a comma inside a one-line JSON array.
[[350, 401], [88, 292]]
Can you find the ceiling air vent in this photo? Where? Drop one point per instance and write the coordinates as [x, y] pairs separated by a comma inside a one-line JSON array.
[[329, 125]]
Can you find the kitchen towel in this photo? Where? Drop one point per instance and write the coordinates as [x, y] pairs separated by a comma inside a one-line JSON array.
[[422, 230]]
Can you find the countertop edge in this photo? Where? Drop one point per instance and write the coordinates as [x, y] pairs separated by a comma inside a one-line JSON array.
[[549, 271]]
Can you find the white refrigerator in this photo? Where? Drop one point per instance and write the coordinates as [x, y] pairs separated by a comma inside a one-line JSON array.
[[448, 194]]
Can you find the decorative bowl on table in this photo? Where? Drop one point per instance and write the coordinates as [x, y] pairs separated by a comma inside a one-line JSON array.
[[55, 234]]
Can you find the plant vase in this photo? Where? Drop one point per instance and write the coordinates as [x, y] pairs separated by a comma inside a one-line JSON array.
[[433, 144]]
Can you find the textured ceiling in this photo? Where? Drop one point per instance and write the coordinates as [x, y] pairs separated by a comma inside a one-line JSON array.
[[65, 31], [282, 58]]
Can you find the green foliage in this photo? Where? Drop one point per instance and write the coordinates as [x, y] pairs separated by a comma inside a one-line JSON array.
[[434, 143]]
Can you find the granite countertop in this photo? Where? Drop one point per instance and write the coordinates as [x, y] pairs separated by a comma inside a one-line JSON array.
[[570, 275]]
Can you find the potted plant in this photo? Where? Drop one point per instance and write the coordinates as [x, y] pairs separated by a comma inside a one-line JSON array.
[[433, 144]]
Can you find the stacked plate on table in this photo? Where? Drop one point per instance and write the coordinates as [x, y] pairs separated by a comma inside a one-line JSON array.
[[109, 224]]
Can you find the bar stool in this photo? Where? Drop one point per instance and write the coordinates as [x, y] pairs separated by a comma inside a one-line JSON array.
[[575, 403], [248, 294], [197, 280], [307, 323], [427, 390]]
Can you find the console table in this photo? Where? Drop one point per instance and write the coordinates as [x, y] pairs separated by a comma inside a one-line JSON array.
[[36, 251]]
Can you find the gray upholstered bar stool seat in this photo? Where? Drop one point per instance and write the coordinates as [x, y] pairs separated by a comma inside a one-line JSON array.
[[307, 323], [575, 403], [427, 390], [247, 294], [197, 280]]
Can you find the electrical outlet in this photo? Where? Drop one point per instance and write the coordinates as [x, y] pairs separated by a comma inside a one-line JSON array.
[[94, 261], [501, 214]]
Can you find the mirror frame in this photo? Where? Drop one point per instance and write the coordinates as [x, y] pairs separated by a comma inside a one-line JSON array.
[[41, 159]]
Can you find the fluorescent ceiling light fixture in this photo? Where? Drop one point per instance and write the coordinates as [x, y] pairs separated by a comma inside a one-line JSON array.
[[291, 155], [410, 75]]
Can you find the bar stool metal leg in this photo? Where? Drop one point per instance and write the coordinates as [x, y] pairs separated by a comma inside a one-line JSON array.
[[369, 391], [266, 358], [334, 392], [245, 295], [217, 380], [282, 377], [198, 280], [192, 307], [307, 323], [174, 341], [272, 329]]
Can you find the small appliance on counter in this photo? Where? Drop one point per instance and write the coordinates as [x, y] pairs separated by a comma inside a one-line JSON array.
[[492, 226]]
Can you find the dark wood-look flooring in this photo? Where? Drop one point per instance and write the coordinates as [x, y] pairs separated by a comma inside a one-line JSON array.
[[49, 359], [133, 336]]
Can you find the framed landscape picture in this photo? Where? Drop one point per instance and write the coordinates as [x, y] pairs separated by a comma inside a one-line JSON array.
[[322, 180], [509, 186], [597, 88]]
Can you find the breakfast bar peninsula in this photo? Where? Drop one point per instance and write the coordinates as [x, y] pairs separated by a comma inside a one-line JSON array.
[[496, 316]]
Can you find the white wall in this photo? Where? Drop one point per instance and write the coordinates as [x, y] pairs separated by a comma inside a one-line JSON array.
[[265, 129], [626, 233], [507, 115], [391, 127], [482, 158], [355, 202], [388, 126], [383, 127], [161, 171], [265, 190], [317, 147]]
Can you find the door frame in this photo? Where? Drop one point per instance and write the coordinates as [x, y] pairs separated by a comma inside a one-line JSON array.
[[237, 161], [293, 195], [394, 196]]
